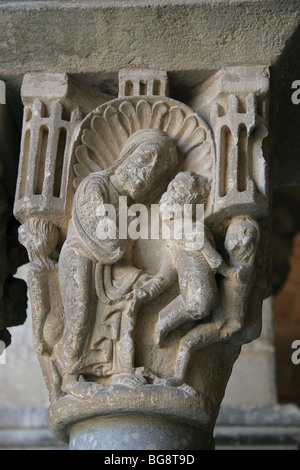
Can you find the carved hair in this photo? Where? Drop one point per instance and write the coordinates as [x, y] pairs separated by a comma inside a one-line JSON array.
[[40, 238], [157, 137], [193, 190]]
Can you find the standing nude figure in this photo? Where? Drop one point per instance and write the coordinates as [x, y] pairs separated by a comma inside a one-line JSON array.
[[228, 318], [193, 257]]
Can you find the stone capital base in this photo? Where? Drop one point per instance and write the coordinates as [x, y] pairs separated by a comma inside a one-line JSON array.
[[162, 417]]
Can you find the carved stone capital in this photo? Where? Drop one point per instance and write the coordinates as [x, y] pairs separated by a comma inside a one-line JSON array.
[[144, 231]]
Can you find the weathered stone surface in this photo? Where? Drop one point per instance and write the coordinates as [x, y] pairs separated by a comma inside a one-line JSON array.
[[138, 433], [177, 36], [51, 87], [192, 40]]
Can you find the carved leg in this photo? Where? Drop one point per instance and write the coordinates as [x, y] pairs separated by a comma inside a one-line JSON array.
[[202, 336], [198, 338], [171, 317], [75, 278]]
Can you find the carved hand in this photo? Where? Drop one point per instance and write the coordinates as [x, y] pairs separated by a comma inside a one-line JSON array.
[[151, 288], [137, 295]]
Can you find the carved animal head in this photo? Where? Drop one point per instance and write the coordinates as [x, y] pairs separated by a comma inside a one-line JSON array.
[[242, 239]]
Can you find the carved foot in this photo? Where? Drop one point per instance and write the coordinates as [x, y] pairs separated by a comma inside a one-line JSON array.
[[168, 381], [146, 373], [188, 389], [175, 382], [79, 389], [129, 380]]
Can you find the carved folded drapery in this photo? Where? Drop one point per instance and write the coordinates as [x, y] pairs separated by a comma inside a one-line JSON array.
[[126, 319]]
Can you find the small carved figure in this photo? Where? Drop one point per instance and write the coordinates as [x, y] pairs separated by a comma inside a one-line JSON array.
[[228, 317], [192, 257], [40, 239]]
